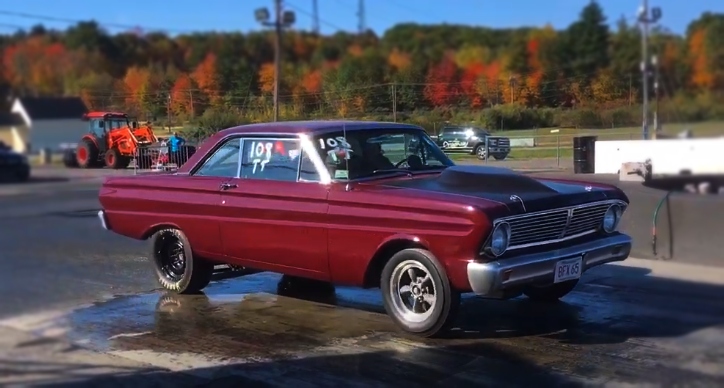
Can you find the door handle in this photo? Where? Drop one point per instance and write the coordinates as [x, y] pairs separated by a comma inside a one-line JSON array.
[[227, 186]]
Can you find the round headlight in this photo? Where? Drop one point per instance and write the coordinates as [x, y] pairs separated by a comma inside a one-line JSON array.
[[500, 239], [611, 218]]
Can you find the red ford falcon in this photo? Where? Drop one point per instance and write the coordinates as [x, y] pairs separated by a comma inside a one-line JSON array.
[[367, 204]]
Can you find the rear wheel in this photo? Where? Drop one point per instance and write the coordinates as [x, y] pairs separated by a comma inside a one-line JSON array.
[[417, 293], [86, 154], [551, 292], [69, 159], [175, 265]]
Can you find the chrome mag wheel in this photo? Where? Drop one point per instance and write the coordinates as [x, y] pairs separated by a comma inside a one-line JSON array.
[[412, 291]]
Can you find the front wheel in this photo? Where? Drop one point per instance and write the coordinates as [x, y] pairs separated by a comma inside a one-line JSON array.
[[480, 152], [175, 265], [500, 157], [417, 293], [550, 292]]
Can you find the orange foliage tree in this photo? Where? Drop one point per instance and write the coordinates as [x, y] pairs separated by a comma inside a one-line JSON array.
[[398, 60], [138, 89], [36, 66], [266, 78], [182, 96], [469, 84], [206, 78], [442, 88], [701, 75]]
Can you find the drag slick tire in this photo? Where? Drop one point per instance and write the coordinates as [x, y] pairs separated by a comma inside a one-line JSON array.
[[551, 292], [417, 293], [176, 267]]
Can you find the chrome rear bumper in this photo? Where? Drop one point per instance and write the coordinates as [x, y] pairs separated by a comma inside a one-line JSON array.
[[494, 278]]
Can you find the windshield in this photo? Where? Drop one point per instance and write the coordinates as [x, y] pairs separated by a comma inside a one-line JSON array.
[[364, 153]]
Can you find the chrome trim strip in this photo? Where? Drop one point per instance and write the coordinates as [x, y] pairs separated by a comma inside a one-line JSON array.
[[493, 278]]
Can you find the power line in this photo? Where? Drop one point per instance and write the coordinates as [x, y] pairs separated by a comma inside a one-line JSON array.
[[25, 15]]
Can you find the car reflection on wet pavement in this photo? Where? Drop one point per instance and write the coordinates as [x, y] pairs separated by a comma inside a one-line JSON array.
[[268, 329]]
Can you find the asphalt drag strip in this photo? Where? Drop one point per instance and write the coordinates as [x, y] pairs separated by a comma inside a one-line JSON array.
[[625, 324]]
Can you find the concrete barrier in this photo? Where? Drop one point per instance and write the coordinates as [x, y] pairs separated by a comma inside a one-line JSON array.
[[522, 142], [668, 156]]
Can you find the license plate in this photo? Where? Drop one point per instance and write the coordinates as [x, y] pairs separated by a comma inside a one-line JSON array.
[[569, 269]]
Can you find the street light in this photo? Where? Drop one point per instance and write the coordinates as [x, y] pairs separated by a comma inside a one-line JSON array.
[[283, 19], [646, 17]]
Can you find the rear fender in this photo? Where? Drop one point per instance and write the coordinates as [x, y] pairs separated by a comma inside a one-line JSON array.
[[91, 139]]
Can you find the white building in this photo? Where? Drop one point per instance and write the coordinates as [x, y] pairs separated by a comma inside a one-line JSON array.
[[13, 132], [51, 121]]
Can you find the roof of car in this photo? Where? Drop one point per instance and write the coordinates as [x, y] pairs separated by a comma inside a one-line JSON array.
[[295, 127]]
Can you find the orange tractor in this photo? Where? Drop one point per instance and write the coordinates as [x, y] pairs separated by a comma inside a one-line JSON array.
[[112, 141]]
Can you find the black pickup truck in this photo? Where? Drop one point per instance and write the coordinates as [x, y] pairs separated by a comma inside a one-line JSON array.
[[471, 140]]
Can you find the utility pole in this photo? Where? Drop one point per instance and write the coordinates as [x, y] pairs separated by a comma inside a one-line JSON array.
[[655, 62], [645, 18], [315, 17], [282, 19], [361, 27]]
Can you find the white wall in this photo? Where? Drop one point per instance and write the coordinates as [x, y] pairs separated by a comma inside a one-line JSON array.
[[52, 133], [668, 156]]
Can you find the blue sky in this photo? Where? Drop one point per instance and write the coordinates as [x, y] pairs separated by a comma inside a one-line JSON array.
[[194, 15]]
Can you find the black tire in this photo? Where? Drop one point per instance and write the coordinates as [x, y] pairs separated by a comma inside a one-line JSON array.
[[440, 315], [115, 160], [184, 273], [86, 154], [69, 159], [23, 175], [500, 157], [551, 292], [479, 152]]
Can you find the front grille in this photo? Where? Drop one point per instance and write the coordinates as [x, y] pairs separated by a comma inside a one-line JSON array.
[[556, 225]]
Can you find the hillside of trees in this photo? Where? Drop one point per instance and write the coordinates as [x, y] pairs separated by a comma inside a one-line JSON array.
[[587, 75]]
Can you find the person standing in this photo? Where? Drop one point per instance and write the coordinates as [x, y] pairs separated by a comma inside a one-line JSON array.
[[175, 142]]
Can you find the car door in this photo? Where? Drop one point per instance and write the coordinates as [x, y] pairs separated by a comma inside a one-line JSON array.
[[274, 218], [202, 199]]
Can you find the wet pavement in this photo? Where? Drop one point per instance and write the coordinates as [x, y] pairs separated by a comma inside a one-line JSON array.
[[622, 326]]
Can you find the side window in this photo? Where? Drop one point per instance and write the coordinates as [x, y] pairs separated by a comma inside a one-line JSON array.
[[307, 170], [270, 159], [224, 162]]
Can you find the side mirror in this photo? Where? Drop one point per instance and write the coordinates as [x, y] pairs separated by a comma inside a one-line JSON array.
[[134, 124]]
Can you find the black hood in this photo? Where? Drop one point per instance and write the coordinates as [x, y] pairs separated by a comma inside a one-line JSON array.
[[519, 192]]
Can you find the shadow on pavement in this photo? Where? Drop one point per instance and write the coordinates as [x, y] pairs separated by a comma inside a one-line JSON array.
[[33, 180], [306, 332]]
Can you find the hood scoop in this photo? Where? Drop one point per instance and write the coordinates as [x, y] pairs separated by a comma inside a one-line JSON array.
[[490, 180]]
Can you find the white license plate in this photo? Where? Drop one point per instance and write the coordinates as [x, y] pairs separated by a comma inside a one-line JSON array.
[[568, 269]]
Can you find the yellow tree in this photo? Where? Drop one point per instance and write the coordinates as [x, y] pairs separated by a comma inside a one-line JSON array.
[[701, 76]]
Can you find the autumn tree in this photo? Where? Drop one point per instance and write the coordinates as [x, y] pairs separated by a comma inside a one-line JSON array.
[[182, 96], [206, 77], [442, 88]]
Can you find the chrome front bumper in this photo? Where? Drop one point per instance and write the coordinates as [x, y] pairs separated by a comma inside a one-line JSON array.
[[102, 218], [494, 278]]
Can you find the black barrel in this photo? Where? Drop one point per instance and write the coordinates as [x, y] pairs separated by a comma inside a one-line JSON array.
[[584, 154]]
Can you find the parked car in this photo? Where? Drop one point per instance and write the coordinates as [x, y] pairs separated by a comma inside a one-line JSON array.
[[348, 203], [14, 166], [471, 140]]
